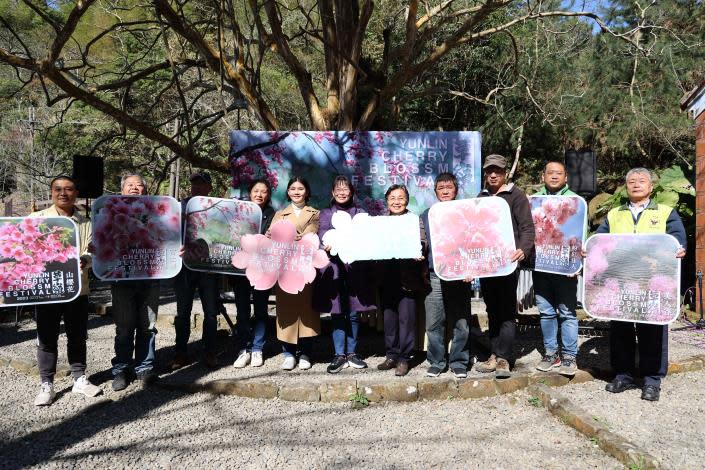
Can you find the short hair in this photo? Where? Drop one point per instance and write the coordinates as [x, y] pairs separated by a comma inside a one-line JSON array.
[[302, 180], [132, 175], [545, 167], [342, 179], [446, 177], [62, 177], [395, 187], [265, 182], [640, 171]]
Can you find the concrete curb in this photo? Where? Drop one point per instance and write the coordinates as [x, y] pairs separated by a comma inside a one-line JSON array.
[[612, 443], [375, 389]]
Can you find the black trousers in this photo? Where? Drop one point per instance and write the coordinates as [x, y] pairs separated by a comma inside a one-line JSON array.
[[75, 315], [399, 323], [500, 296], [653, 350]]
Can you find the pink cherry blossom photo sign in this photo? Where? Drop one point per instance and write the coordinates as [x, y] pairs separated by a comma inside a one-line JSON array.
[[39, 260], [213, 230], [280, 259], [136, 237], [560, 223], [471, 237], [632, 277]]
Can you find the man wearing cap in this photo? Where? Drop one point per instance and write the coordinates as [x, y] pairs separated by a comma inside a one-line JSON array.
[[74, 313], [499, 293], [185, 284]]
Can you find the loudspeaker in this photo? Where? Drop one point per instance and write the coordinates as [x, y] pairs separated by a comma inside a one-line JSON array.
[[88, 173], [582, 171]]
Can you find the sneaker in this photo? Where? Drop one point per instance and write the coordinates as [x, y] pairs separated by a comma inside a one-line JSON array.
[[289, 363], [433, 371], [568, 366], [339, 363], [180, 360], [488, 366], [460, 373], [549, 361], [243, 358], [46, 394], [387, 364], [502, 369], [120, 381], [402, 369], [355, 362], [147, 377], [83, 386], [304, 362], [257, 359]]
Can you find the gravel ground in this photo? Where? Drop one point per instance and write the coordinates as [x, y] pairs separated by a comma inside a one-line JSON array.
[[156, 428], [672, 429]]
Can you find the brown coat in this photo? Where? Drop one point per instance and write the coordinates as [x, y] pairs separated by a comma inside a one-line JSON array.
[[295, 315]]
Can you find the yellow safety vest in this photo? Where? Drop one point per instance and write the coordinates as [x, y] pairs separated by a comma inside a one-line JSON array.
[[652, 220]]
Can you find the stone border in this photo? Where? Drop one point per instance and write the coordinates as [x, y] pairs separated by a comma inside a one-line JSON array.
[[612, 443], [379, 390]]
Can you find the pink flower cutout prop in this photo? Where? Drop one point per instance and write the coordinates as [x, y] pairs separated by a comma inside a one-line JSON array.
[[283, 259]]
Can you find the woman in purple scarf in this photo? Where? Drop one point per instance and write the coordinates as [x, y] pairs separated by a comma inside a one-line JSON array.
[[343, 290]]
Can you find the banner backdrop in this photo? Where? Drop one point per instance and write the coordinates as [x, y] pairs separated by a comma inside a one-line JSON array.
[[213, 231], [373, 161], [560, 223], [372, 238], [632, 277], [136, 237], [281, 259], [39, 260], [471, 237]]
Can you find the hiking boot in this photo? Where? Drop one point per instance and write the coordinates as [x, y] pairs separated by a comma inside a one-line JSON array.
[[355, 362], [568, 366], [120, 381], [488, 366], [83, 386], [549, 361], [460, 373], [388, 363], [339, 363], [180, 360], [257, 359], [650, 393], [46, 394], [402, 369], [502, 369], [433, 371], [243, 358]]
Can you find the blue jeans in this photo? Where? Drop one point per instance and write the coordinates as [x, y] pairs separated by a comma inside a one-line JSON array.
[[345, 328], [448, 305], [185, 285], [135, 306], [305, 347], [556, 299], [250, 335]]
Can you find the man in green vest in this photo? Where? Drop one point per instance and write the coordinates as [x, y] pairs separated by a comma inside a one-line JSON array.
[[556, 294], [641, 215]]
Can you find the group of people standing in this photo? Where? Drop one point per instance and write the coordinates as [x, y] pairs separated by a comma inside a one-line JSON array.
[[345, 291]]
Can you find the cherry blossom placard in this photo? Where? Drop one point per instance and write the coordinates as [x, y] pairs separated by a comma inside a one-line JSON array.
[[213, 231], [136, 237], [560, 233], [471, 237], [632, 277], [39, 260], [283, 259], [365, 237]]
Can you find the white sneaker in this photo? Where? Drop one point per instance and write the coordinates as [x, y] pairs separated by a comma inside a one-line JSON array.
[[46, 395], [83, 386], [242, 360], [289, 363], [304, 362], [257, 359]]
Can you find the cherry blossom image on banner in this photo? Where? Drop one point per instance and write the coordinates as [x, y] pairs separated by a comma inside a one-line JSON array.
[[471, 237], [39, 260], [366, 237], [213, 231], [281, 259], [632, 277], [560, 223], [136, 237]]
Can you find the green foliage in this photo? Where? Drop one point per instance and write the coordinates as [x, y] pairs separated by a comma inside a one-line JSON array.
[[359, 399], [535, 402]]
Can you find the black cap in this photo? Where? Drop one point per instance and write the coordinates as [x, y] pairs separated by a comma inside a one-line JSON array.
[[205, 176]]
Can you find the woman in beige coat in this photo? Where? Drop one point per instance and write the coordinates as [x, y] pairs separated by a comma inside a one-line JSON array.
[[297, 322]]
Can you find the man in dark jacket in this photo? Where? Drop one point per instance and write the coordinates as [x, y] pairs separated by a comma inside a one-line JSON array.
[[499, 292]]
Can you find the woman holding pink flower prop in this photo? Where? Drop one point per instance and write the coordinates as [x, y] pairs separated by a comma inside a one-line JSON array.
[[297, 322], [403, 281]]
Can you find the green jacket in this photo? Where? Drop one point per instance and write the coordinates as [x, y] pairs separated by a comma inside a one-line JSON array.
[[564, 191]]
